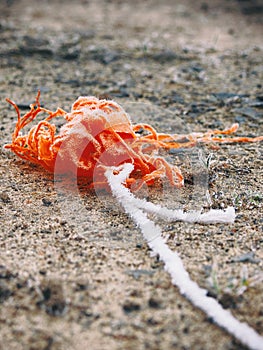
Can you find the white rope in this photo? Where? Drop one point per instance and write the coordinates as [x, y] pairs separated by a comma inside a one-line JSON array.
[[212, 216], [172, 262]]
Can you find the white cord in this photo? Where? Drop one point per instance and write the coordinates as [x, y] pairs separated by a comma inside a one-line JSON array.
[[172, 262]]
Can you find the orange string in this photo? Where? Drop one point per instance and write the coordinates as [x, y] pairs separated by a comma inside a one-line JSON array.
[[42, 143]]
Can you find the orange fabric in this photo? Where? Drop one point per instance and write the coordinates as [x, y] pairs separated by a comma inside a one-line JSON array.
[[99, 132]]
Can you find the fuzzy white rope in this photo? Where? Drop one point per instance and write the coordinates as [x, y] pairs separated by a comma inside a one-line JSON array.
[[172, 262], [212, 216]]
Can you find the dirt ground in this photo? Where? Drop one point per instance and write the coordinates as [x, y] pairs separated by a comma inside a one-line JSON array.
[[84, 279]]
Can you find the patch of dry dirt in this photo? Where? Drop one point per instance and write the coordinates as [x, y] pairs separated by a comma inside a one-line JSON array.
[[85, 280]]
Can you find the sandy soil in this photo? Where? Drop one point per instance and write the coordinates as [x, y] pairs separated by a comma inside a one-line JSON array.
[[74, 271]]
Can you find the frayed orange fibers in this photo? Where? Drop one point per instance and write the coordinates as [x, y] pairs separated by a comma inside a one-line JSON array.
[[98, 133]]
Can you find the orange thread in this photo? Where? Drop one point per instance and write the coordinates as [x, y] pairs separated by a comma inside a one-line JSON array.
[[103, 132]]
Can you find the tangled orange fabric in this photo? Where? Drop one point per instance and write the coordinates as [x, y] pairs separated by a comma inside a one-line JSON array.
[[98, 133]]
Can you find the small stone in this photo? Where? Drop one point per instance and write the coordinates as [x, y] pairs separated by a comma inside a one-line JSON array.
[[5, 292], [5, 197], [230, 301], [154, 303], [53, 299], [130, 306], [46, 202]]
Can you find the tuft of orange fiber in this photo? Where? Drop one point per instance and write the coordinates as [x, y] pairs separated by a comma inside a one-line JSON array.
[[99, 133]]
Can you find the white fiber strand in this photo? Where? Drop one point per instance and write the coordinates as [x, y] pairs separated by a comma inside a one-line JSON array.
[[173, 263], [180, 278], [212, 216]]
